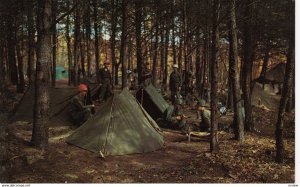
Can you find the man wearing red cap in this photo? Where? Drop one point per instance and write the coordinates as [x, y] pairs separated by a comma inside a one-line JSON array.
[[80, 111], [105, 77]]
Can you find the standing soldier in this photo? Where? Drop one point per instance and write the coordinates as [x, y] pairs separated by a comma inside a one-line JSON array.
[[105, 77], [146, 75], [174, 82], [80, 110]]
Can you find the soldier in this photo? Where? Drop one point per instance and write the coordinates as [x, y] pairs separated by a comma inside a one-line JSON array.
[[105, 77], [80, 111], [146, 75], [205, 116], [174, 83], [174, 117]]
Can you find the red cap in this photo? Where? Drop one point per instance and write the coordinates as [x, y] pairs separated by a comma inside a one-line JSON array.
[[82, 87]]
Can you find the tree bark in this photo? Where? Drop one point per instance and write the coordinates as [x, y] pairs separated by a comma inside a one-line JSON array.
[[138, 27], [214, 145], [154, 67], [21, 81], [97, 55], [234, 74], [123, 43], [31, 41], [68, 39], [11, 50], [247, 70], [40, 132], [289, 70], [113, 41], [76, 45], [54, 41], [88, 37]]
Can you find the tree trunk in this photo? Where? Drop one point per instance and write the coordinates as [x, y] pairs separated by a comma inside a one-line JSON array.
[[97, 55], [54, 41], [234, 74], [68, 39], [11, 51], [82, 54], [214, 145], [113, 41], [138, 31], [123, 43], [166, 51], [4, 162], [40, 131], [154, 67], [88, 37], [289, 71], [247, 70], [291, 97], [21, 82], [76, 45], [31, 41], [264, 67]]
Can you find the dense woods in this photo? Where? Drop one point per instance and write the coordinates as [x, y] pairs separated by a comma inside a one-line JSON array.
[[227, 46]]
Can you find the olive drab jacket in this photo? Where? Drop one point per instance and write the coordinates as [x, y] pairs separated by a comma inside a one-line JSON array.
[[175, 81], [170, 114], [105, 75], [205, 118]]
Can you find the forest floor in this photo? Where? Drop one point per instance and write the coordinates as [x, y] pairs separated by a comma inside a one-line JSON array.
[[179, 161]]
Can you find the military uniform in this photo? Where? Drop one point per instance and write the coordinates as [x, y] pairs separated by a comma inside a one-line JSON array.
[[170, 115], [146, 77], [205, 120], [79, 110], [174, 83], [105, 89]]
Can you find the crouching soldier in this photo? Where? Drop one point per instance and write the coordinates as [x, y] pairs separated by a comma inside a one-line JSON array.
[[80, 111], [204, 114], [175, 118]]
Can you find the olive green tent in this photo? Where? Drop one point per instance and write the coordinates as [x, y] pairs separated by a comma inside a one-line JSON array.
[[59, 102], [121, 126], [152, 101]]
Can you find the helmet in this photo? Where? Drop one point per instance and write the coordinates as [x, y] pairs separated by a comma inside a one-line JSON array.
[[178, 101], [175, 65], [82, 87], [201, 102]]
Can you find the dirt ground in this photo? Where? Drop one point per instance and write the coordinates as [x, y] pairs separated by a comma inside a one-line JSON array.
[[178, 162]]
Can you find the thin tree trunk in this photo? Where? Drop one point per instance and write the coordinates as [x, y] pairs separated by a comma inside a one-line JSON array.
[[234, 74], [166, 51], [214, 145], [154, 67], [113, 41], [40, 131], [247, 70], [123, 43], [54, 41], [88, 38], [21, 82], [31, 41], [138, 27], [82, 54], [76, 45], [70, 68], [97, 55], [11, 51]]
